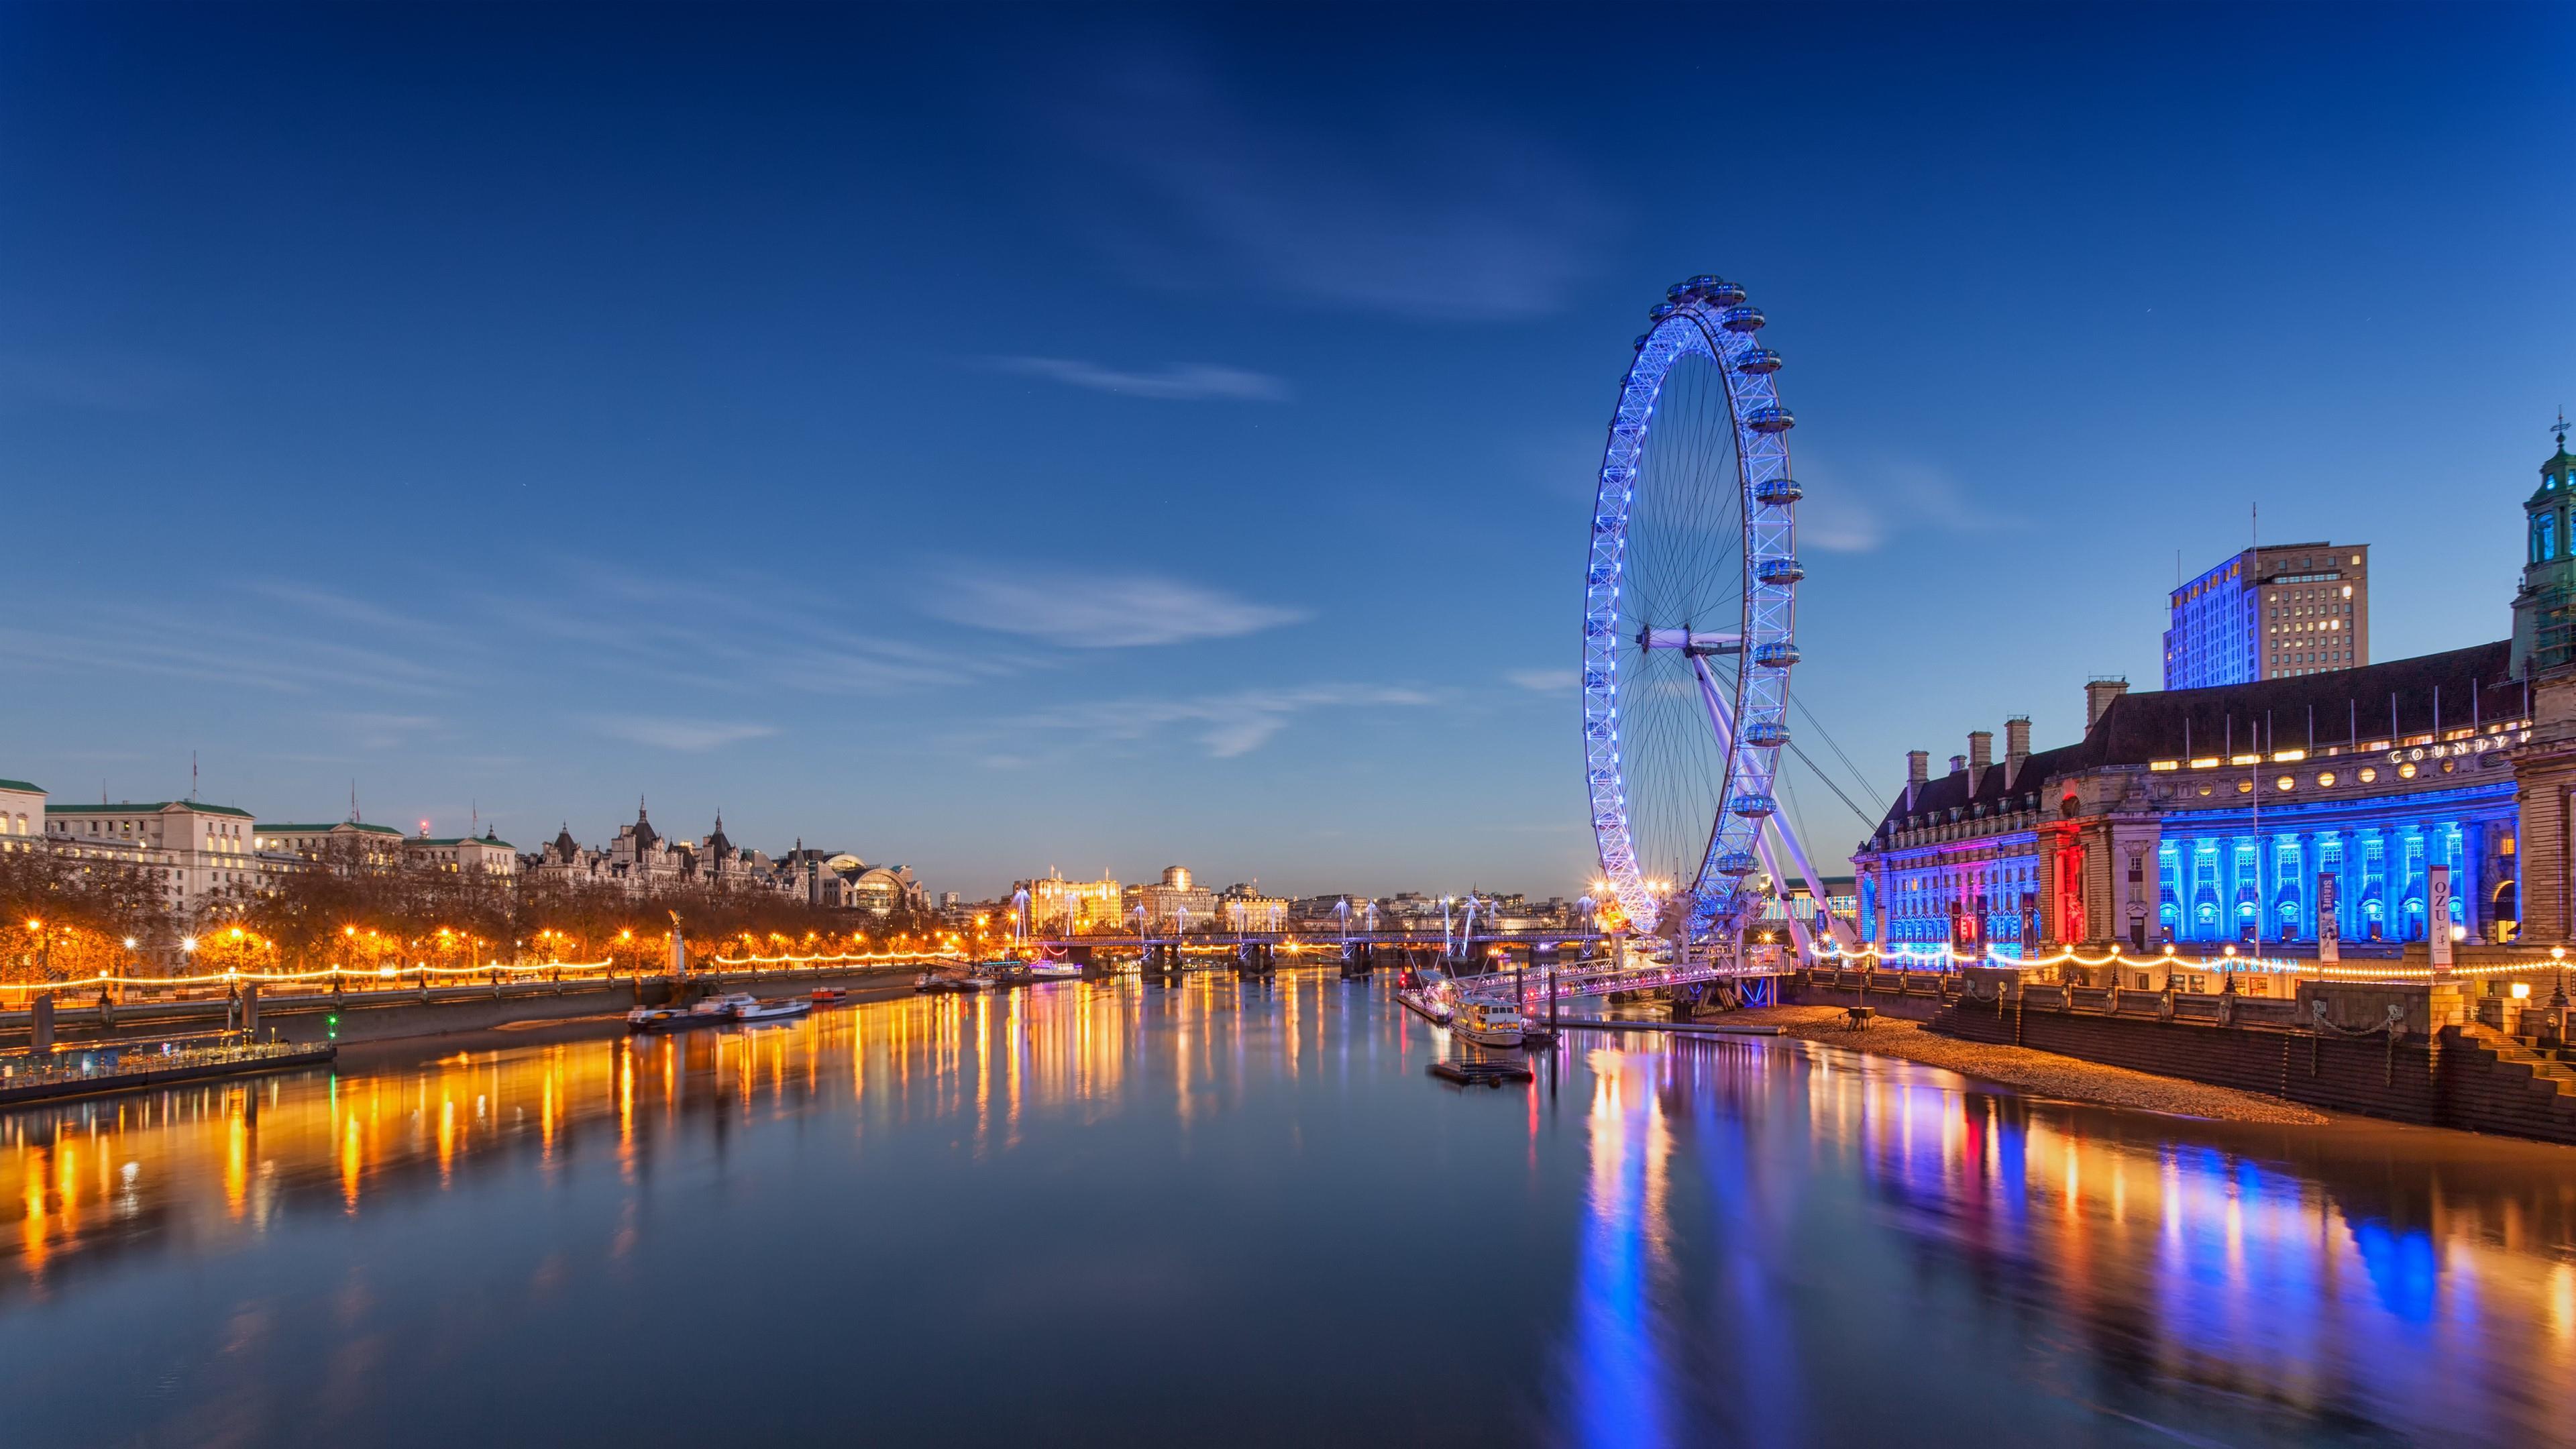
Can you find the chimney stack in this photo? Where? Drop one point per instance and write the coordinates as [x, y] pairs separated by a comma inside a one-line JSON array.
[[1981, 753], [1958, 764], [2098, 694], [1918, 768], [2016, 747]]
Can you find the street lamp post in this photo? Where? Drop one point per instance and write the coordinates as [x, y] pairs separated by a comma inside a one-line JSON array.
[[2558, 997]]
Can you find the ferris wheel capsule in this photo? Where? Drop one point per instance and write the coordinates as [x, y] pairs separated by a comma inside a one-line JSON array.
[[1770, 420], [1660, 311], [1775, 656], [1742, 319], [1761, 362], [1722, 292], [1737, 863], [1769, 733], [1777, 491], [1780, 571]]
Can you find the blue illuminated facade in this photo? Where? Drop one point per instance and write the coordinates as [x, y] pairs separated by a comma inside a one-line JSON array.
[[2192, 817], [2222, 878]]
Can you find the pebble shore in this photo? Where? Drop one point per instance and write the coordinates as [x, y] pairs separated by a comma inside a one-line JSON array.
[[2039, 1073]]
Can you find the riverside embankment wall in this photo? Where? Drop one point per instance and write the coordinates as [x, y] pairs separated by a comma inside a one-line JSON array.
[[2454, 1076], [389, 1015]]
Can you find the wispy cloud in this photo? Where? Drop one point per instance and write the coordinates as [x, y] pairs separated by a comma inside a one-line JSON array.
[[733, 638], [1084, 610], [374, 730], [1225, 725], [1178, 382], [1858, 511], [692, 735], [168, 644], [1545, 681], [1430, 211]]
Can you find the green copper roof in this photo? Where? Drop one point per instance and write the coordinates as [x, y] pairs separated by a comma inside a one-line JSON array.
[[132, 807], [22, 785]]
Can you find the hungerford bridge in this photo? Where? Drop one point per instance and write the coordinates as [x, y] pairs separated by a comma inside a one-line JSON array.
[[1690, 593]]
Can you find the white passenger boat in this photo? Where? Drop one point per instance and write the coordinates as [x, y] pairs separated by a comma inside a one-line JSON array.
[[1493, 1026], [1047, 968], [722, 1007], [776, 1009]]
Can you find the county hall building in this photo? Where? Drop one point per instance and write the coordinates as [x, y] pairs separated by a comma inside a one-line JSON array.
[[2237, 812]]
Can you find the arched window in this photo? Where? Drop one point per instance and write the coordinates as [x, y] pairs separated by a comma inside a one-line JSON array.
[[2545, 547]]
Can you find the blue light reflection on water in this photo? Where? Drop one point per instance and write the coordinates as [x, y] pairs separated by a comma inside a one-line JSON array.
[[1231, 1212]]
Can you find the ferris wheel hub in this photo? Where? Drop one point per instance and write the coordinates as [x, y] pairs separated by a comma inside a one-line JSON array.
[[1691, 642]]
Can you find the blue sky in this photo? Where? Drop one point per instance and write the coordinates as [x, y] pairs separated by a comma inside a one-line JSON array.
[[999, 439]]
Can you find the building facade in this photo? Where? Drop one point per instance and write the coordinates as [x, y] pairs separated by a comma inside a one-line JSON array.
[[485, 855], [1242, 907], [1057, 904], [2543, 639], [346, 845], [202, 855], [2281, 611], [1176, 900], [22, 814], [2197, 817]]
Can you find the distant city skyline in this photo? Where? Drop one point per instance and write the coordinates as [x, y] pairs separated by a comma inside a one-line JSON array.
[[979, 445]]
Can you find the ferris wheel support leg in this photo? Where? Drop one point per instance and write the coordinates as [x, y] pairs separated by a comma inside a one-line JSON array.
[[1798, 935], [1844, 936]]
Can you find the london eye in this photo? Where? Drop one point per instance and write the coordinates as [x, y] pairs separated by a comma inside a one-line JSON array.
[[1689, 615]]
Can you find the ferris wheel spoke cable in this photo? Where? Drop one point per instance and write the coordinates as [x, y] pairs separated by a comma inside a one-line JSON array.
[[1859, 777], [1863, 816]]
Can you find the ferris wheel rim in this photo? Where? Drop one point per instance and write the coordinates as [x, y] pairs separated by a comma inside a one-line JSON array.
[[1708, 318]]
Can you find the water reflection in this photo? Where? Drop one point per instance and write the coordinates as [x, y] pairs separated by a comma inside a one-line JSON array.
[[2192, 1280], [1226, 1209]]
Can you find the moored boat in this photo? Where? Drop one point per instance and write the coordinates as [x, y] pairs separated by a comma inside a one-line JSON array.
[[720, 1007], [774, 1009], [656, 1018], [1428, 996], [1486, 1025]]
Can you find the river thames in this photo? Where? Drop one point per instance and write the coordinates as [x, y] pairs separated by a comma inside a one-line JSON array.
[[1242, 1213]]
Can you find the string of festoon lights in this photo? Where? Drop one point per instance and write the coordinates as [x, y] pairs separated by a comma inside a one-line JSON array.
[[1942, 958], [424, 971]]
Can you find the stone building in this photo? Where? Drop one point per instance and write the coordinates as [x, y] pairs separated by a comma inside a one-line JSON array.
[[2211, 816], [1174, 900], [643, 861], [2255, 812]]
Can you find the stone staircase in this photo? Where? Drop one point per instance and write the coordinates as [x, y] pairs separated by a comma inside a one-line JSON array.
[[2511, 1084]]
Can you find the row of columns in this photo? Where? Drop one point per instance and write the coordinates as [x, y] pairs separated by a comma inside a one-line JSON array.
[[2402, 870]]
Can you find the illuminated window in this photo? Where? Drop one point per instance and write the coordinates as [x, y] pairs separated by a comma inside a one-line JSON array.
[[2326, 780], [2368, 775], [2406, 771], [2244, 787], [2284, 783]]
